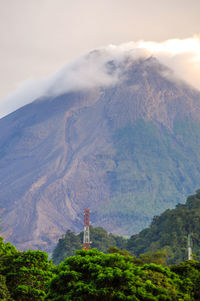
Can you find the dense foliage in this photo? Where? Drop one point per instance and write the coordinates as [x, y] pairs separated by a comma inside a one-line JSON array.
[[67, 246], [189, 271], [133, 269], [95, 276], [4, 292], [100, 238], [169, 231], [23, 275]]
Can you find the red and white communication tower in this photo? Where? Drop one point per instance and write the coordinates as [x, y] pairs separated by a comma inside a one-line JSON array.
[[86, 234]]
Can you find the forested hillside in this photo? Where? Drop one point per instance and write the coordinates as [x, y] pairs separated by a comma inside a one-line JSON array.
[[133, 269], [71, 242], [167, 232], [170, 230]]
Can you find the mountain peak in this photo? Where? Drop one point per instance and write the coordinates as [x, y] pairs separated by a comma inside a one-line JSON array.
[[101, 67], [127, 151]]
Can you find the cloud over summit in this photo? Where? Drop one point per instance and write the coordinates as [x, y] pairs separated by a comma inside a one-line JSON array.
[[101, 67]]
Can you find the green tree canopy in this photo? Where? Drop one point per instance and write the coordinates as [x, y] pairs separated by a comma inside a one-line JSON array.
[[100, 238], [26, 274], [169, 232], [95, 276], [189, 272], [6, 248], [66, 246], [4, 292]]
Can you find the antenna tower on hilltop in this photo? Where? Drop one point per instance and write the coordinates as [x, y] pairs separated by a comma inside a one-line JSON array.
[[86, 234]]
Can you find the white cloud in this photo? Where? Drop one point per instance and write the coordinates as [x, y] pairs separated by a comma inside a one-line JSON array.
[[182, 56], [90, 70]]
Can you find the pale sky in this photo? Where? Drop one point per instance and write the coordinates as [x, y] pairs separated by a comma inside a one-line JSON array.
[[37, 37]]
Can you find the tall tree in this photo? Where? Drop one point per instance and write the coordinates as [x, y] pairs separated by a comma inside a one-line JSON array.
[[26, 274]]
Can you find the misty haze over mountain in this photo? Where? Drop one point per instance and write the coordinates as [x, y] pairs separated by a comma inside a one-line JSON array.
[[94, 70]]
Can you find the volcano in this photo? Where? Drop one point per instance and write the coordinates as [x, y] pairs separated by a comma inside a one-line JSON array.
[[127, 151]]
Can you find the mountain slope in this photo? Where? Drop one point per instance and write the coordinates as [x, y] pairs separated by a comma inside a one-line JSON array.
[[124, 151]]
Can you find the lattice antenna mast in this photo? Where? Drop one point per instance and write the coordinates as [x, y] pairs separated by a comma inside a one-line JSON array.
[[86, 235], [189, 245]]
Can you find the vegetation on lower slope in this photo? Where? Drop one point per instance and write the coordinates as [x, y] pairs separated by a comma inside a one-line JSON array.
[[170, 230], [167, 232], [94, 276], [117, 275], [23, 275], [71, 242]]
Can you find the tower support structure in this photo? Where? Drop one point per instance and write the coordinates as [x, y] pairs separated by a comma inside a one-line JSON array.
[[189, 245], [86, 233]]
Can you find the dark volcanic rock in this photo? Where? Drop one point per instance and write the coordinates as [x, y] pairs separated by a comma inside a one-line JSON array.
[[127, 152]]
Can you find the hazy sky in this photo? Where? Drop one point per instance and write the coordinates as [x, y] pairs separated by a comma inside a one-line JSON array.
[[37, 37]]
